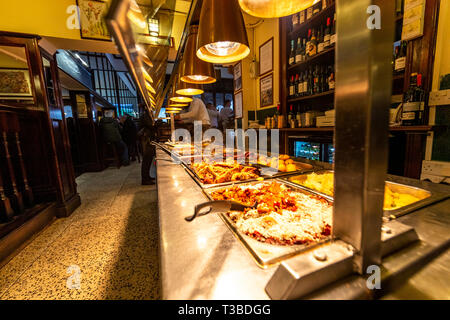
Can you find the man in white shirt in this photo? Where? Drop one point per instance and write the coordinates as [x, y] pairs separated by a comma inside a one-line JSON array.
[[213, 115], [197, 112], [226, 116]]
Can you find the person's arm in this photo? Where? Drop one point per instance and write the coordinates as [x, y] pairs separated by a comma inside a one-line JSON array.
[[191, 114]]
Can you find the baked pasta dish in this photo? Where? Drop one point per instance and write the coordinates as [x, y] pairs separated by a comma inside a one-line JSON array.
[[324, 183], [282, 216], [220, 172]]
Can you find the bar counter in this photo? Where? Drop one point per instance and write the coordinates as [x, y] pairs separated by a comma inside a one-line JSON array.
[[202, 259]]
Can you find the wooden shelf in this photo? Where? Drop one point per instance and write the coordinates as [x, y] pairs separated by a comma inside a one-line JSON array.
[[313, 58], [314, 96], [422, 128], [312, 21]]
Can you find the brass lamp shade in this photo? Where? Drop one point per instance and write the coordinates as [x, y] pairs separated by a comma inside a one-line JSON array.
[[188, 89], [173, 109], [172, 112], [222, 37], [274, 8], [180, 99], [194, 70], [177, 105]]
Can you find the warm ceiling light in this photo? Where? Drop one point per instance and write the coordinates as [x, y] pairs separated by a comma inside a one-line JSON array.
[[188, 89], [222, 37], [274, 8], [172, 112], [153, 27], [147, 76], [178, 105], [146, 60], [180, 99], [150, 88], [194, 70], [173, 109]]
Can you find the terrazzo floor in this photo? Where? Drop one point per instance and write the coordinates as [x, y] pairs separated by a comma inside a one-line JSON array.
[[107, 249]]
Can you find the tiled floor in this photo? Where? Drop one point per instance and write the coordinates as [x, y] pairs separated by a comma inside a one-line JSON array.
[[111, 242]]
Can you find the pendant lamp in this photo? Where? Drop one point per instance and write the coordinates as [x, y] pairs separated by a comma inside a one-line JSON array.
[[274, 8], [194, 70], [188, 89], [178, 105], [222, 37]]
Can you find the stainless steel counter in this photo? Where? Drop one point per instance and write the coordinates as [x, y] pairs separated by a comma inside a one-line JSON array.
[[203, 260]]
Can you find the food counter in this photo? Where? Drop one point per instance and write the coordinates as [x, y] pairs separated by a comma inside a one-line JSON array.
[[202, 259]]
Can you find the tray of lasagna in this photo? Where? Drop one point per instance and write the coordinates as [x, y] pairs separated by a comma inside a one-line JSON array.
[[286, 221], [399, 199]]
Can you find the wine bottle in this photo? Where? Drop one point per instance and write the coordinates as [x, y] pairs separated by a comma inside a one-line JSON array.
[[400, 59], [305, 83], [296, 93], [320, 40], [326, 37], [292, 54], [312, 44], [316, 89], [301, 19], [413, 102], [330, 77], [298, 51], [316, 8], [295, 20], [291, 87], [333, 32], [309, 13]]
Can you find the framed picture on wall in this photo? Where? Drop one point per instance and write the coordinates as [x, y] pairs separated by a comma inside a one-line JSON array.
[[266, 90], [92, 19], [266, 57], [238, 105], [15, 83], [237, 76]]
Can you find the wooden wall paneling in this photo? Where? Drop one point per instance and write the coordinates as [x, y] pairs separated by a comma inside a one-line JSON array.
[[6, 211], [15, 195], [283, 91], [28, 193]]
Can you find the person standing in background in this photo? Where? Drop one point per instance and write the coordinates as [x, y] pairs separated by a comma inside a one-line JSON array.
[[147, 133], [129, 134], [226, 116], [213, 115], [110, 129], [197, 112]]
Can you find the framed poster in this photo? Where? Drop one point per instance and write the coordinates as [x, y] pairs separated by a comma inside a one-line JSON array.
[[237, 76], [266, 90], [15, 83], [266, 57], [238, 105], [91, 15]]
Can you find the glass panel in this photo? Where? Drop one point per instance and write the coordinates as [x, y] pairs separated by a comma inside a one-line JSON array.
[[229, 96], [49, 81], [15, 81]]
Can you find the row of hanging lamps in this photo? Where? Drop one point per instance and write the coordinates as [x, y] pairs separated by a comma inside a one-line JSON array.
[[274, 8], [194, 70], [177, 98], [222, 37]]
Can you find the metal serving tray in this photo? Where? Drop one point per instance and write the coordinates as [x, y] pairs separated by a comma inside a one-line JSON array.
[[265, 254], [426, 197], [264, 174]]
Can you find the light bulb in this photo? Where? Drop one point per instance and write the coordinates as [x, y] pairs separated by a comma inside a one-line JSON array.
[[197, 78], [223, 48]]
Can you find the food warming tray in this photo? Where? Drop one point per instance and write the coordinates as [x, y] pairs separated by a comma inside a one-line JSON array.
[[265, 254], [426, 197]]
